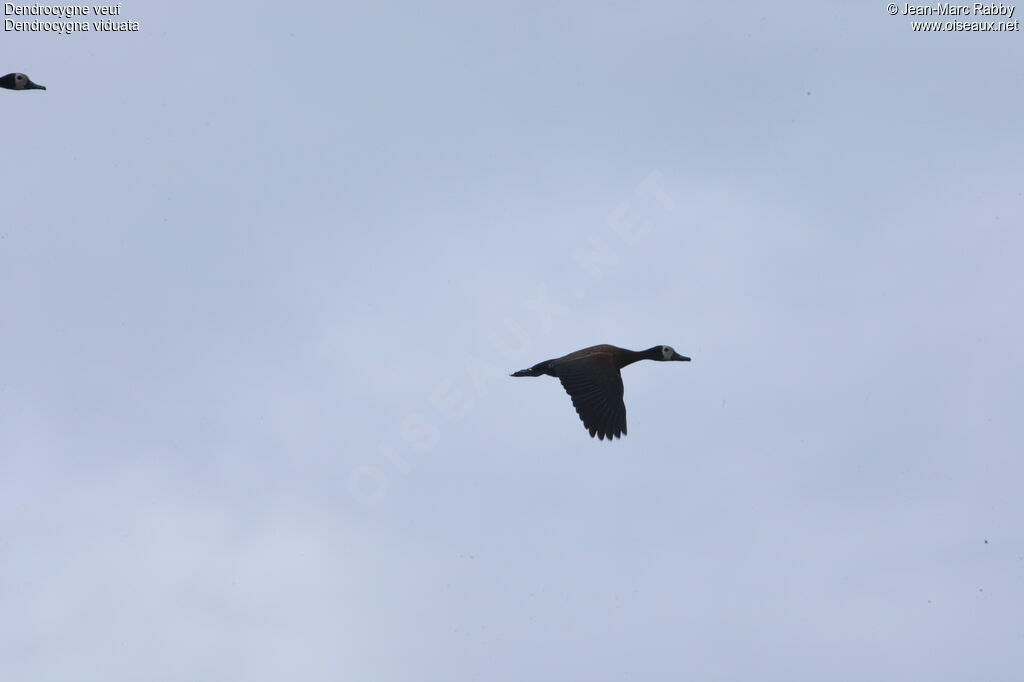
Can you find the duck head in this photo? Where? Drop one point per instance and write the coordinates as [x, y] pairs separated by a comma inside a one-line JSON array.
[[19, 81], [666, 353]]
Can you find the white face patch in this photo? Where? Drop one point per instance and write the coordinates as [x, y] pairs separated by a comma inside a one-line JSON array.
[[667, 352]]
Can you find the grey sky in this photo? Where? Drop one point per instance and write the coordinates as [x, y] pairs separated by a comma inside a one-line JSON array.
[[263, 275]]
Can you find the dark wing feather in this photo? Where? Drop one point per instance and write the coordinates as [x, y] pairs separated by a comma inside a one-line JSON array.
[[595, 386]]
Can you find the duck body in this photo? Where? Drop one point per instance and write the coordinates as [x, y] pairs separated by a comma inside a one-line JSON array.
[[19, 81], [591, 376]]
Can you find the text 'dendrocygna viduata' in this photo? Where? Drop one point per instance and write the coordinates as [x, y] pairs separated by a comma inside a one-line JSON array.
[[19, 81], [591, 378]]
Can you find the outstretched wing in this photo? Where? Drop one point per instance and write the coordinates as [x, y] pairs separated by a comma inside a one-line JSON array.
[[595, 386]]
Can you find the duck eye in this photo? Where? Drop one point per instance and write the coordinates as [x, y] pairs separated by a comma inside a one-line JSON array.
[[19, 77]]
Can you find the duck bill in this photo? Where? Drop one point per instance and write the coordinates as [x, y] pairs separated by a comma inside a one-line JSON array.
[[34, 86], [681, 358]]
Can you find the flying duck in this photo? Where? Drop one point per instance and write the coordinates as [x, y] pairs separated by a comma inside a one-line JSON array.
[[591, 378], [19, 81]]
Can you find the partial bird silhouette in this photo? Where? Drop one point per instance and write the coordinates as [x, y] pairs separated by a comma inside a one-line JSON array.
[[591, 378], [19, 81]]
